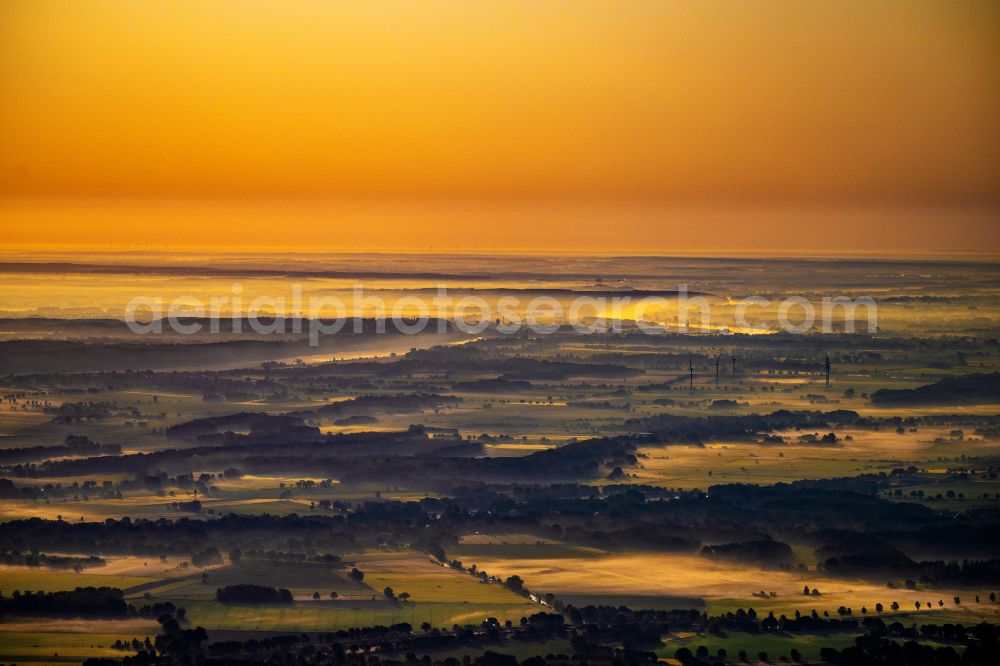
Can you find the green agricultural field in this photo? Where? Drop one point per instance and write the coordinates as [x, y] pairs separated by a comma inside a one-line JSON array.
[[504, 539], [867, 452], [442, 586], [15, 421], [424, 581], [775, 646], [329, 615], [635, 601], [39, 640], [34, 647], [665, 579], [964, 494], [134, 506], [855, 599], [257, 507], [302, 579], [439, 595], [49, 580]]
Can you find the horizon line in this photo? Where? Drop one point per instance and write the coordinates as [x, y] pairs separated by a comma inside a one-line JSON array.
[[888, 256]]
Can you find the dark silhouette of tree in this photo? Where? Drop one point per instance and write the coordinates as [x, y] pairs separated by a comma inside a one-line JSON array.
[[252, 594]]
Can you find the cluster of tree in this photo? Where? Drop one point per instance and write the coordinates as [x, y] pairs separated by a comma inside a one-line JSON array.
[[963, 389], [356, 420], [392, 597], [469, 360], [674, 429], [369, 405], [815, 439], [223, 383], [135, 645], [883, 561], [190, 506], [36, 559], [848, 553], [73, 445], [981, 643], [724, 404], [492, 385], [159, 482], [296, 451], [395, 644], [763, 552], [965, 572], [250, 421], [252, 594], [598, 634], [160, 608], [207, 557], [856, 532], [50, 491], [642, 535], [184, 535], [596, 404], [82, 601], [237, 554], [372, 456], [78, 412]]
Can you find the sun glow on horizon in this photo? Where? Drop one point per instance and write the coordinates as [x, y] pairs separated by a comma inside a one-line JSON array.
[[395, 125]]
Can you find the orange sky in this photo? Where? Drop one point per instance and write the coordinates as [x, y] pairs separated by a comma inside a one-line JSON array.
[[621, 115]]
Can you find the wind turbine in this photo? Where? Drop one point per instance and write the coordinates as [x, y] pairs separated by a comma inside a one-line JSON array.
[[734, 366], [717, 361], [826, 367], [690, 374]]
